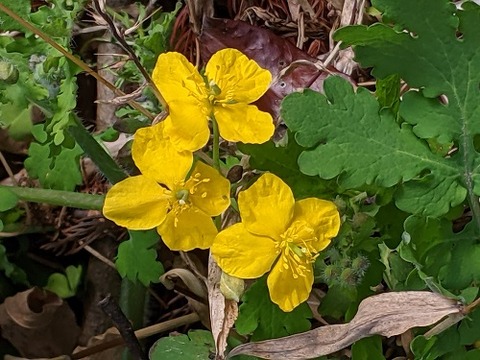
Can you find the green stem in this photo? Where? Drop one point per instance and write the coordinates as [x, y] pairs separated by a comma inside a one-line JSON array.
[[58, 197], [216, 160], [216, 145]]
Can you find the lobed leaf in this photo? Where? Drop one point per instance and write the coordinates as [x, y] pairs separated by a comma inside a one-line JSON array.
[[197, 345], [434, 48], [351, 138], [137, 257]]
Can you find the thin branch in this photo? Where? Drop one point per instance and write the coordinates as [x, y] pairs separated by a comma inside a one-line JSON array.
[[99, 6], [112, 309], [140, 334], [99, 256]]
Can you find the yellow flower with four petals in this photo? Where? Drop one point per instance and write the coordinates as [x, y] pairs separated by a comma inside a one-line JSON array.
[[279, 235], [162, 196], [231, 83]]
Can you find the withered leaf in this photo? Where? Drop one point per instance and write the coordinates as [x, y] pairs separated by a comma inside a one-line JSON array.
[[195, 286], [223, 312], [38, 323], [386, 314]]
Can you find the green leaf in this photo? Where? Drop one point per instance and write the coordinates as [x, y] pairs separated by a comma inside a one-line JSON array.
[[137, 257], [12, 271], [469, 328], [282, 161], [21, 8], [17, 120], [447, 257], [57, 19], [337, 301], [369, 348], [388, 92], [65, 286], [264, 320], [437, 346], [350, 138], [463, 269], [8, 200], [197, 345], [56, 166], [433, 47]]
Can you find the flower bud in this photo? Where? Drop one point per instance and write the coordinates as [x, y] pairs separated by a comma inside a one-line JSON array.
[[360, 265], [348, 277], [231, 287], [8, 73]]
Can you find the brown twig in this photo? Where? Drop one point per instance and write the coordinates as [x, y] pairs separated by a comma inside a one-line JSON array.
[[112, 309], [99, 256], [99, 6], [140, 334]]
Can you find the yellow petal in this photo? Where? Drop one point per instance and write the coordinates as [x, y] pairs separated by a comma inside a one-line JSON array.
[[323, 218], [186, 129], [137, 203], [177, 79], [211, 191], [237, 76], [188, 230], [286, 290], [242, 254], [244, 123], [267, 206], [157, 159], [186, 94]]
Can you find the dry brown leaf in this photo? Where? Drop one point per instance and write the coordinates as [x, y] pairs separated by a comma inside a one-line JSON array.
[[188, 278], [39, 324], [386, 314], [223, 312], [195, 285]]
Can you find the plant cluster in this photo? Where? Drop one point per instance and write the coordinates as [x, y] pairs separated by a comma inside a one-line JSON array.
[[370, 190]]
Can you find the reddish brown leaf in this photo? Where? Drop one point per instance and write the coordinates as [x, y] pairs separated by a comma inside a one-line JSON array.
[[270, 52]]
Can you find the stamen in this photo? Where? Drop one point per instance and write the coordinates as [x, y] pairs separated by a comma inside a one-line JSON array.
[[297, 249]]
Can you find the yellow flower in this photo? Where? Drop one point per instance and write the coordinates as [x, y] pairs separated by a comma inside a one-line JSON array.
[[231, 83], [181, 209], [278, 235]]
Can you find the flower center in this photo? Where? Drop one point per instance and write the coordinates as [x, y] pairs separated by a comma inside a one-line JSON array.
[[182, 196], [297, 252], [181, 199], [214, 95]]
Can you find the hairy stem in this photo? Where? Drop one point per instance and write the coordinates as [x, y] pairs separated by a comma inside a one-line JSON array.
[[58, 197]]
